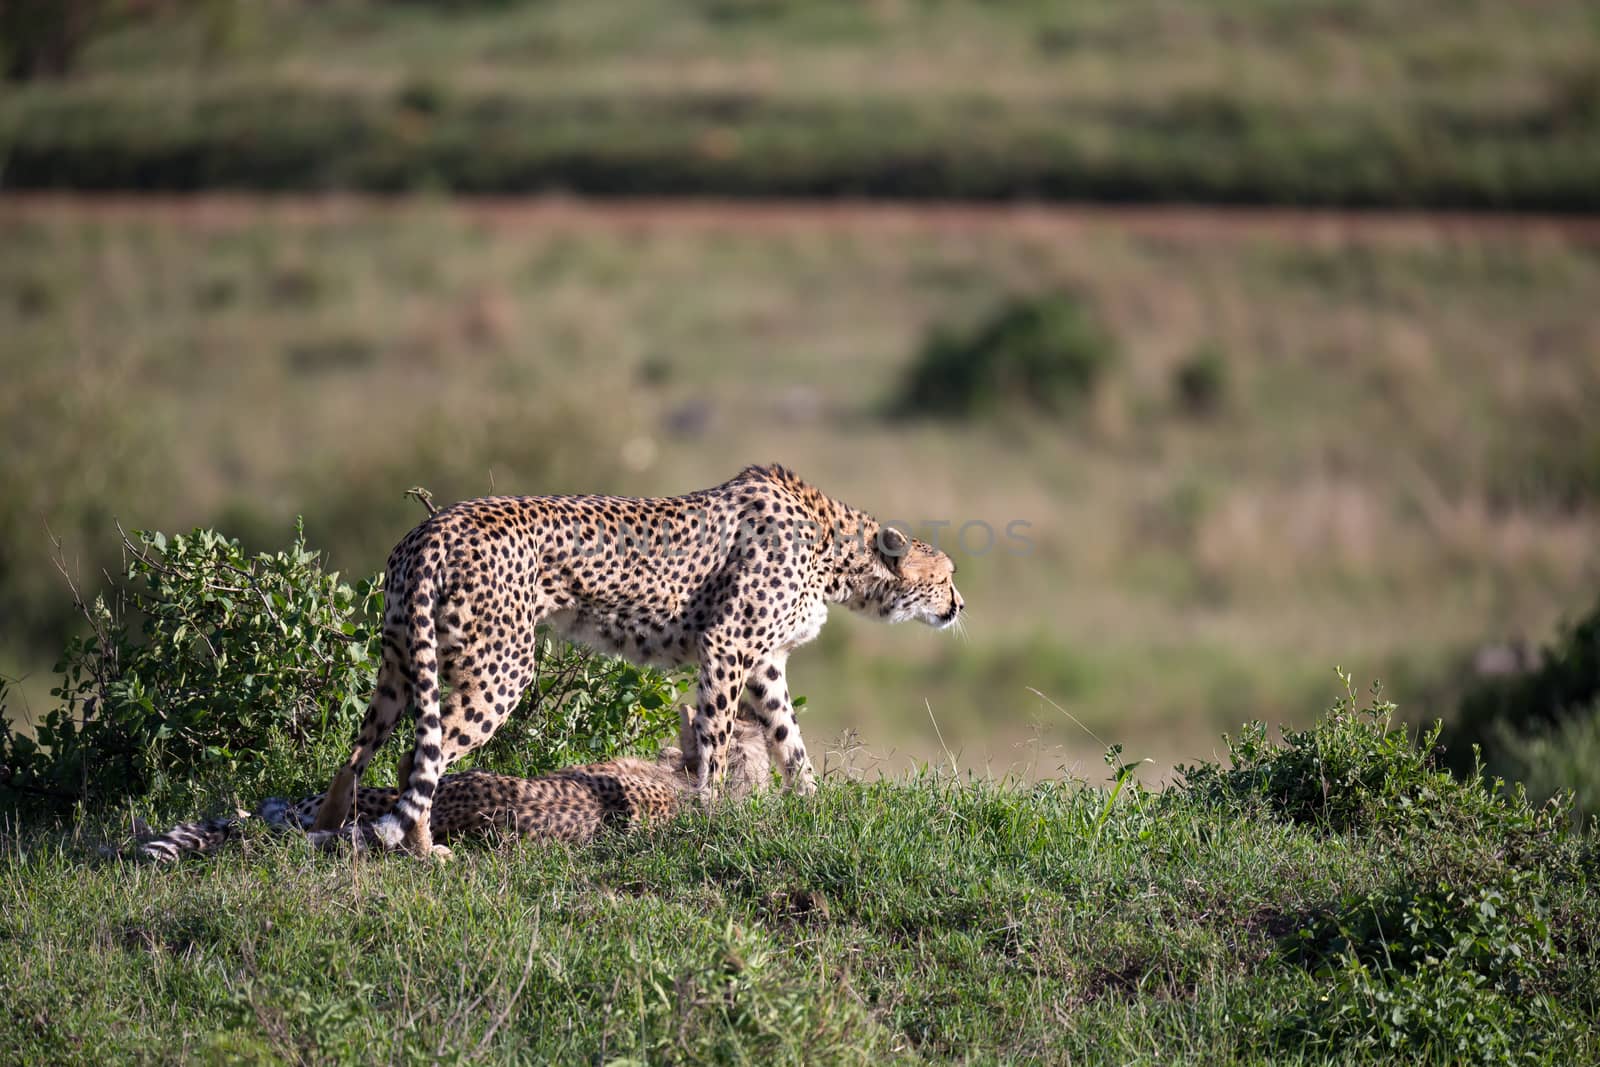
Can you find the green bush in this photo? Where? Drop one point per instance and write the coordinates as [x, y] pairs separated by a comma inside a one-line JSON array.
[[213, 668], [1451, 958], [204, 659], [1441, 972], [1497, 930], [1200, 383], [1350, 770], [1045, 353]]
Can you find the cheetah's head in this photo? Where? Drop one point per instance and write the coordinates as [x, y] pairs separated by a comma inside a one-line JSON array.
[[907, 579]]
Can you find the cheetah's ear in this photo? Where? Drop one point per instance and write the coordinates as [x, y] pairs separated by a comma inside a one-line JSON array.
[[892, 546]]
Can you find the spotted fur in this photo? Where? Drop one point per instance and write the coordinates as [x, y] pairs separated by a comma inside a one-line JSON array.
[[730, 579], [574, 804]]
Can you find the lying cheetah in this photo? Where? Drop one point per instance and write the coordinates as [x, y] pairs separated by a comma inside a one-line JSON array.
[[731, 579], [572, 805]]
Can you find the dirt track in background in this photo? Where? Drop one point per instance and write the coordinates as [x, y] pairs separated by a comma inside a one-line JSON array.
[[1055, 221]]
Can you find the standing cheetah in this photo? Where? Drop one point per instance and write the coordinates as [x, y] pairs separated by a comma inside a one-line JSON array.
[[573, 804], [731, 579]]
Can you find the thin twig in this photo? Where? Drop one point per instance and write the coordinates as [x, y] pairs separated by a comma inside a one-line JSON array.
[[105, 664], [423, 497], [940, 735], [1069, 715]]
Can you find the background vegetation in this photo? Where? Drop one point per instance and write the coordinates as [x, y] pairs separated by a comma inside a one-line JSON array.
[[1540, 724], [1402, 469], [1347, 102]]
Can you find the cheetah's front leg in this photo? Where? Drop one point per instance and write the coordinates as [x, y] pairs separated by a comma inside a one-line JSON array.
[[767, 701], [722, 678]]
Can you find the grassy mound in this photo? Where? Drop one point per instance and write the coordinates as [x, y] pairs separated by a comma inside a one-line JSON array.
[[925, 920]]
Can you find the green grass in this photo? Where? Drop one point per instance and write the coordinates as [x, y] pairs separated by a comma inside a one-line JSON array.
[[923, 920], [1389, 482], [1432, 103]]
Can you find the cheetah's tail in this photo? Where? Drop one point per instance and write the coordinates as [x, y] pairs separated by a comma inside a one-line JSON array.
[[189, 838], [205, 836]]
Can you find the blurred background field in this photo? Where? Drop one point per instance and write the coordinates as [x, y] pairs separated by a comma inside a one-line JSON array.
[[1306, 440], [1368, 102], [1400, 465]]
